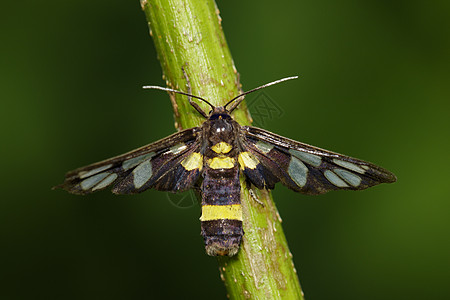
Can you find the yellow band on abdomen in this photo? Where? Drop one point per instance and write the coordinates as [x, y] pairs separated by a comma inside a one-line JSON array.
[[217, 212]]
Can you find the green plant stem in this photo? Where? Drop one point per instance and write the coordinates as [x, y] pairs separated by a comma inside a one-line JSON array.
[[188, 33]]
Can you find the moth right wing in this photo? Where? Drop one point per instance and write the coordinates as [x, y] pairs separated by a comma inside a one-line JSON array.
[[267, 158], [170, 164]]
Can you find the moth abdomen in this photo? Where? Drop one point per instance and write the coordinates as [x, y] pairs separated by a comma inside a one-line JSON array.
[[221, 220], [222, 236]]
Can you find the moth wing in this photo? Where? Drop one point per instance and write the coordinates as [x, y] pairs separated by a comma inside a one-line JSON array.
[[133, 172], [305, 168], [173, 172]]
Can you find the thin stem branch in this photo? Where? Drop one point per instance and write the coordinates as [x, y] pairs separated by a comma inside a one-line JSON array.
[[188, 33]]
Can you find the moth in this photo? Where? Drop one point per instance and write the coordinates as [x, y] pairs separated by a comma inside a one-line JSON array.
[[213, 156]]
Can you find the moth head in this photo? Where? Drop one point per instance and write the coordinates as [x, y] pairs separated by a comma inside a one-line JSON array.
[[218, 113]]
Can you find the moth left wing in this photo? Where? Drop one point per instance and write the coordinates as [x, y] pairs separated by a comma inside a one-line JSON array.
[[170, 164], [267, 158]]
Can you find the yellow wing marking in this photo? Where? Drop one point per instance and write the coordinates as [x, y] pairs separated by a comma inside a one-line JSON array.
[[193, 161], [246, 160]]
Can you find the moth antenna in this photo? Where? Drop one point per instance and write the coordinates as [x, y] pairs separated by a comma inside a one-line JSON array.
[[155, 87], [253, 90]]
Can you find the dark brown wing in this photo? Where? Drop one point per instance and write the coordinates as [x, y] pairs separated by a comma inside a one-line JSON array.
[[304, 168], [158, 165]]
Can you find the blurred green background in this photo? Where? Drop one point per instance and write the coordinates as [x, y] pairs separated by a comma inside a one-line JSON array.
[[374, 85]]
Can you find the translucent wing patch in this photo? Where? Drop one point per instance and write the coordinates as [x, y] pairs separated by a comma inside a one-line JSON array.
[[304, 168], [156, 165]]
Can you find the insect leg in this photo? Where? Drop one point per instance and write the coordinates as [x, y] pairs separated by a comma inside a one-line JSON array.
[[252, 193]]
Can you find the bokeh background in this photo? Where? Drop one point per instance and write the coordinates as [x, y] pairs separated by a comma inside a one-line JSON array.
[[374, 84]]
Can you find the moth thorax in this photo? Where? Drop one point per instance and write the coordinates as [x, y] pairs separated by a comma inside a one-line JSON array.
[[221, 130]]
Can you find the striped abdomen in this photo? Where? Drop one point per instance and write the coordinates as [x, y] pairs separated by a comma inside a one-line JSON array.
[[221, 219]]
